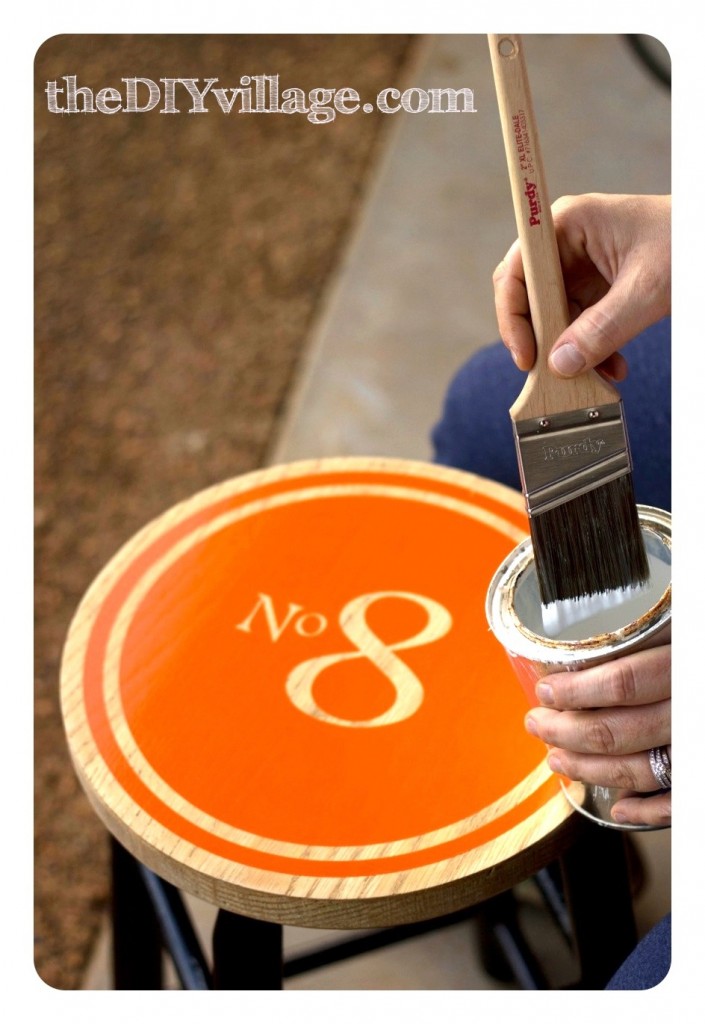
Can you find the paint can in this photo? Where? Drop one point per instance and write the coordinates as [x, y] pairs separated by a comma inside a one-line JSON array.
[[516, 617]]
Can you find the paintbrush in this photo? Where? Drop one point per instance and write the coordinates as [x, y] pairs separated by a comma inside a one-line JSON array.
[[571, 436]]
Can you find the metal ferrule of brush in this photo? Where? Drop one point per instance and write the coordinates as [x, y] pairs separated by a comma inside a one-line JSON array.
[[567, 454]]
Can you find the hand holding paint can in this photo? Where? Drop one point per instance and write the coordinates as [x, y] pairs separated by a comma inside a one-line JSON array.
[[541, 641]]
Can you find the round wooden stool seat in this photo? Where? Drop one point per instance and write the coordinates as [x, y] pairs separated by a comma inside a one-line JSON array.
[[283, 697]]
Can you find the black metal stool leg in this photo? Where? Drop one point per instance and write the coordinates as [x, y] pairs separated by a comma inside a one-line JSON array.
[[598, 896], [137, 945], [504, 951], [178, 935], [247, 954]]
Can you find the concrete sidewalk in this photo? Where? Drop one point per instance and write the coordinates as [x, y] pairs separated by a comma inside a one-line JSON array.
[[412, 299]]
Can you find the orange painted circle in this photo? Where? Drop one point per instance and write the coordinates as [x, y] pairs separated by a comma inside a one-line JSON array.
[[294, 672]]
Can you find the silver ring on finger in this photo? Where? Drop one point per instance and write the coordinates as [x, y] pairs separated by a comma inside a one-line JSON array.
[[661, 766]]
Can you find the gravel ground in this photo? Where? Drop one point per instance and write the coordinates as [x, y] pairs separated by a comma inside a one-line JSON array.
[[179, 262]]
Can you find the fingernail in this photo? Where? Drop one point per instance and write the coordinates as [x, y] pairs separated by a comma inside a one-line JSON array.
[[554, 763], [568, 360], [619, 817], [531, 726], [544, 692]]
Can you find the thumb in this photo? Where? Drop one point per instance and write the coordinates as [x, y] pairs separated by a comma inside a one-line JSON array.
[[602, 329]]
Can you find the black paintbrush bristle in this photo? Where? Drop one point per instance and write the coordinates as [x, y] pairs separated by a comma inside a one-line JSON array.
[[590, 544]]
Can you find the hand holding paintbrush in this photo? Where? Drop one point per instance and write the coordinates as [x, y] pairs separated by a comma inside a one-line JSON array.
[[570, 434], [615, 251]]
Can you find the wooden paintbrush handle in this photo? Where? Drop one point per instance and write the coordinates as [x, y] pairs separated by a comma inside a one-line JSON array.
[[543, 393]]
